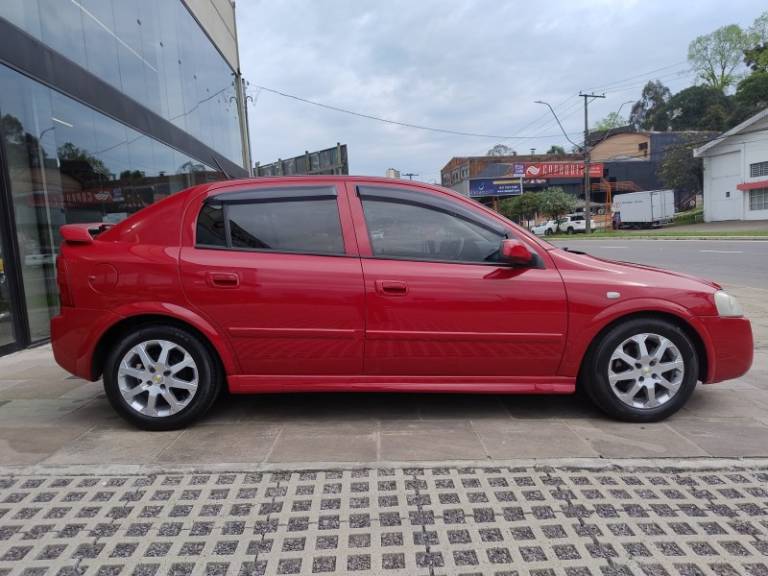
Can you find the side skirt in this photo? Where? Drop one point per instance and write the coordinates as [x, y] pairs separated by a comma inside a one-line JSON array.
[[438, 384]]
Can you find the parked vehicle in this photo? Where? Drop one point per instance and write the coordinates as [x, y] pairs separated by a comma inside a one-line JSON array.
[[571, 224], [545, 228], [332, 283], [645, 209]]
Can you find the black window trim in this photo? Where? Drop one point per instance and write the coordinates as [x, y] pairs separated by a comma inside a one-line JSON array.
[[271, 194], [400, 196]]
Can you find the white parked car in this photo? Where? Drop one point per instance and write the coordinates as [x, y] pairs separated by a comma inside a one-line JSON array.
[[572, 223], [545, 228]]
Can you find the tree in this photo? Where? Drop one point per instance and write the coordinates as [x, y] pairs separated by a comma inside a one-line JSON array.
[[757, 57], [69, 152], [751, 97], [680, 170], [556, 150], [523, 207], [555, 202], [610, 122], [501, 150], [716, 56], [649, 113], [758, 32], [699, 108]]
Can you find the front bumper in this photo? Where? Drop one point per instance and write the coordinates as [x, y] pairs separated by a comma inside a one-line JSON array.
[[730, 347]]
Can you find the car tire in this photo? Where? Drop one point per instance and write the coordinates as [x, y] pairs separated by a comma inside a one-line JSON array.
[[640, 392], [547, 232], [185, 382], [569, 230]]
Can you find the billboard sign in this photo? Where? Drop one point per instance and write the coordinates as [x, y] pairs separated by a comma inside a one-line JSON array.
[[493, 187], [551, 170]]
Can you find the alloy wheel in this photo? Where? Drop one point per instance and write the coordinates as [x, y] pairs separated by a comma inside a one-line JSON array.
[[157, 378], [646, 371]]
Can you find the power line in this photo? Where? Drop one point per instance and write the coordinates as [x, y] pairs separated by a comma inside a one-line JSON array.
[[398, 123]]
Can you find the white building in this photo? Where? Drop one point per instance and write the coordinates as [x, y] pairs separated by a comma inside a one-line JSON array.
[[736, 172]]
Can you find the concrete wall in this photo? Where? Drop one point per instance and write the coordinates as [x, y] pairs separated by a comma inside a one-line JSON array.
[[217, 17], [727, 165]]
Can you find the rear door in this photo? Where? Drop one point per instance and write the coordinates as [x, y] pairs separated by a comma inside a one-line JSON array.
[[437, 300], [276, 270]]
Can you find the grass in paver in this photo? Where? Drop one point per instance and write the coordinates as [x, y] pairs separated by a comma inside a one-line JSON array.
[[445, 520]]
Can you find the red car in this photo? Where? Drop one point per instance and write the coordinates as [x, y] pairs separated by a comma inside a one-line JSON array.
[[370, 284]]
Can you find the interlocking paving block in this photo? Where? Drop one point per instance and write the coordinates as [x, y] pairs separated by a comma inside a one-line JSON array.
[[395, 521]]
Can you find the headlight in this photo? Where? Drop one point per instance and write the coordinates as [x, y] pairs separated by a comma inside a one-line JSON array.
[[727, 305]]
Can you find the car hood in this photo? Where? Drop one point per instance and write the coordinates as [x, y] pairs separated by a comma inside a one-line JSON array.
[[567, 259]]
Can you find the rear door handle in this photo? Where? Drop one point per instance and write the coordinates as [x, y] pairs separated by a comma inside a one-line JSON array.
[[223, 279], [391, 287]]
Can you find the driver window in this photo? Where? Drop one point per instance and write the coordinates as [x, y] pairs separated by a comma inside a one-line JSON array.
[[413, 231]]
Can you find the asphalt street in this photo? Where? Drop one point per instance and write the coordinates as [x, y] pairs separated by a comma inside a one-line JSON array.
[[729, 262]]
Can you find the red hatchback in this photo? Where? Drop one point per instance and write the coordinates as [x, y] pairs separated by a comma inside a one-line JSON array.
[[369, 284]]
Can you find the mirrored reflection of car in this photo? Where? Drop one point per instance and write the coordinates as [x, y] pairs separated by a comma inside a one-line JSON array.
[[365, 284]]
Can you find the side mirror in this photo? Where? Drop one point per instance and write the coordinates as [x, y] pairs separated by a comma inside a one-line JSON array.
[[515, 252]]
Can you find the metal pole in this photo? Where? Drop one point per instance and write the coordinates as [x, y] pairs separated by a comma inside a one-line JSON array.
[[587, 183]]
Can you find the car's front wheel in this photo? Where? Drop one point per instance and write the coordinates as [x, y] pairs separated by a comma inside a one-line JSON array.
[[641, 370], [161, 377]]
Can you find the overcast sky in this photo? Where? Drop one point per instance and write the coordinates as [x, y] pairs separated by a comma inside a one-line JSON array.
[[471, 66]]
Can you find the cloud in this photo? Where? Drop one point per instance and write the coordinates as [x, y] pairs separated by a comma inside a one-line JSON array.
[[473, 66]]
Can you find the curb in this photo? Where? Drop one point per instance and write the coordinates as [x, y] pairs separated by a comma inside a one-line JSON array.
[[671, 464]]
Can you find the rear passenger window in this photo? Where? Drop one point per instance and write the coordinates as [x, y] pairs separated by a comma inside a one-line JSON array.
[[210, 226], [303, 220]]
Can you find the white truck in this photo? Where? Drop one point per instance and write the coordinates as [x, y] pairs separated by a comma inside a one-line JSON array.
[[645, 209]]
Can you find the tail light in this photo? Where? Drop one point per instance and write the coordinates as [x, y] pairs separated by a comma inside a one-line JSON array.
[[62, 280]]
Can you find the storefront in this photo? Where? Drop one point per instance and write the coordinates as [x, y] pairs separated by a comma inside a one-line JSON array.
[[94, 126]]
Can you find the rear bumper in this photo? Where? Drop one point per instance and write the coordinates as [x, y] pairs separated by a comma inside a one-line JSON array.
[[730, 347], [75, 332]]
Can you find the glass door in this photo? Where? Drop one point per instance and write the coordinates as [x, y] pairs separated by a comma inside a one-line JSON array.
[[7, 336]]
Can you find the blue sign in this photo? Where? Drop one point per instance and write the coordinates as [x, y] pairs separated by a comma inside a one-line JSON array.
[[494, 187]]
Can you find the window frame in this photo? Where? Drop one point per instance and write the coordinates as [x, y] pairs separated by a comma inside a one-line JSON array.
[[758, 169], [250, 196], [447, 206], [764, 199]]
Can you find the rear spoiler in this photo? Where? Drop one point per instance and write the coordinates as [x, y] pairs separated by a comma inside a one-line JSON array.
[[82, 233]]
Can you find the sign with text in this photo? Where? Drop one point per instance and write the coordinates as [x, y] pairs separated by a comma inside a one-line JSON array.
[[550, 170], [493, 187]]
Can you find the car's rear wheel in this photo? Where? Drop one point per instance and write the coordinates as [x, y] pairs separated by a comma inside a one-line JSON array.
[[161, 377], [641, 370], [569, 230]]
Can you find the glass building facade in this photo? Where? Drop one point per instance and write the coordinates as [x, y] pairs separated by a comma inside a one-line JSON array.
[[128, 102]]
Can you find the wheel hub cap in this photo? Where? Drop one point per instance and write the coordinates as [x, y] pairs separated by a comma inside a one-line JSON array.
[[157, 378], [646, 371]]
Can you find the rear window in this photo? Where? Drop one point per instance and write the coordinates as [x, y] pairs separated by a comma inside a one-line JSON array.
[[302, 220]]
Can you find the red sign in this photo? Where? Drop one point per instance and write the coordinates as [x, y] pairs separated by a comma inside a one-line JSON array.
[[561, 170]]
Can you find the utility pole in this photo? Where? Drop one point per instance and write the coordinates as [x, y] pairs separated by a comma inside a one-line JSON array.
[[410, 175], [587, 183]]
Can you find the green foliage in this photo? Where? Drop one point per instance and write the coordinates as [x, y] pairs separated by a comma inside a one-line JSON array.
[[501, 150], [757, 57], [523, 207], [751, 97], [680, 170], [556, 150], [758, 32], [613, 120], [699, 108], [716, 56], [554, 202], [650, 113], [69, 152]]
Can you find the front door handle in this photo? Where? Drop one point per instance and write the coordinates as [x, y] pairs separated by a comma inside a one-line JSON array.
[[223, 279], [391, 287]]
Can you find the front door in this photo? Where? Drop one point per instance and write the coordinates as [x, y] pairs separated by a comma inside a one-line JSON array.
[[274, 271], [438, 302]]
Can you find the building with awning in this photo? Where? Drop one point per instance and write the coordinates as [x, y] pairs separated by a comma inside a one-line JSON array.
[[736, 172]]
